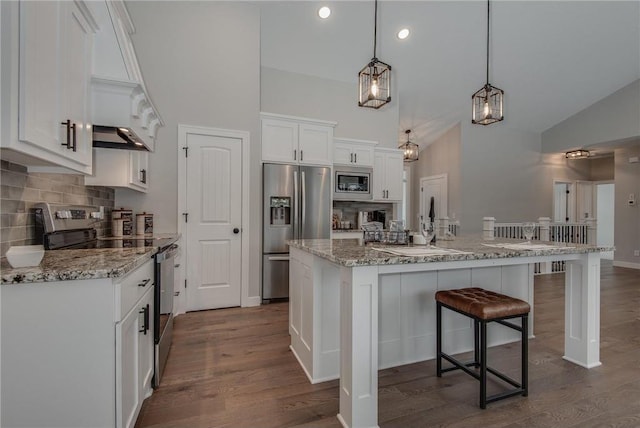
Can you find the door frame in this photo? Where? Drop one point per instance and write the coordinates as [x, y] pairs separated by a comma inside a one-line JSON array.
[[183, 131]]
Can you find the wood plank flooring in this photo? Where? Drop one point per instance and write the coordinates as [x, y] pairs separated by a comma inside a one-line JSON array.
[[233, 368]]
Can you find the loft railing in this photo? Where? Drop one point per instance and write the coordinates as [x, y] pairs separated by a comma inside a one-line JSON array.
[[545, 230]]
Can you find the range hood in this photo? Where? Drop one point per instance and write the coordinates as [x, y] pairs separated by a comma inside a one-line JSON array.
[[113, 137], [123, 114]]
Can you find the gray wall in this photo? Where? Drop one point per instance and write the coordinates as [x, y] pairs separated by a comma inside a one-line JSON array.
[[627, 218], [197, 77], [441, 157], [614, 118], [316, 98], [601, 169]]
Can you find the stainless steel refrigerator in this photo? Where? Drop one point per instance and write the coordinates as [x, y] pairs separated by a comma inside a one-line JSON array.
[[297, 205]]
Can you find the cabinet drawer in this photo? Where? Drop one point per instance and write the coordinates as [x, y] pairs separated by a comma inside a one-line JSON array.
[[131, 288]]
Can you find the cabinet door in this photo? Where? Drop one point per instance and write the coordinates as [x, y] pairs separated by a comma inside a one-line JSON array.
[[379, 180], [40, 118], [393, 176], [139, 170], [145, 360], [279, 141], [342, 154], [127, 368], [363, 155], [76, 41], [315, 144]]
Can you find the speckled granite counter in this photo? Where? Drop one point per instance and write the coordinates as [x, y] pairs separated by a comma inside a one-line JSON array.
[[352, 252], [63, 265]]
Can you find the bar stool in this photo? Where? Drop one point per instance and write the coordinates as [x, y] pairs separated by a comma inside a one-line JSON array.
[[484, 307]]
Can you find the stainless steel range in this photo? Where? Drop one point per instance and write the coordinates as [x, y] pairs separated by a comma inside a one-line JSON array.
[[60, 227]]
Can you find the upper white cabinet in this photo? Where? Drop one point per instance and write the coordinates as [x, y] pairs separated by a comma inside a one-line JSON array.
[[120, 168], [353, 152], [47, 120], [287, 139], [387, 175]]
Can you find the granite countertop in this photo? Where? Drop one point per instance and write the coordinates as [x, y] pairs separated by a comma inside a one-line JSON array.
[[353, 252], [64, 265]]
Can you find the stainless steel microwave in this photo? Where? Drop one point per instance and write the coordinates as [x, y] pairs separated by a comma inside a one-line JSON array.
[[352, 183]]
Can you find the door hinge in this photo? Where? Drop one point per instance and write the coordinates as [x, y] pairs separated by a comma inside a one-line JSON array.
[[186, 217], [186, 151]]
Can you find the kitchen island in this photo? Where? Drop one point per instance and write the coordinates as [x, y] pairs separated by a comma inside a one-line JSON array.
[[356, 308]]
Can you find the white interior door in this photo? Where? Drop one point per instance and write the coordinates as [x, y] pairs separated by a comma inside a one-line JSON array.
[[433, 187], [585, 199], [563, 202], [214, 226], [605, 214]]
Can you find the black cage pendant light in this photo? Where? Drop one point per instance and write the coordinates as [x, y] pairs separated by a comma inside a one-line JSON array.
[[488, 101], [411, 150], [375, 78]]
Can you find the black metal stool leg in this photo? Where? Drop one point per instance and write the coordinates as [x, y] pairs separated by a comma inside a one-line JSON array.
[[439, 339], [483, 364], [525, 353], [476, 342]]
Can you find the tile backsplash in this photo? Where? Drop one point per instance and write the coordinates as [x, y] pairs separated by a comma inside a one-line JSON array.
[[20, 190]]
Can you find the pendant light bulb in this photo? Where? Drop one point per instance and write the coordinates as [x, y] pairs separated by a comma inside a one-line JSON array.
[[374, 87], [487, 110]]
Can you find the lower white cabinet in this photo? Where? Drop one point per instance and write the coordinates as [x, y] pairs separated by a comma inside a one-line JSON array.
[[77, 353], [120, 168]]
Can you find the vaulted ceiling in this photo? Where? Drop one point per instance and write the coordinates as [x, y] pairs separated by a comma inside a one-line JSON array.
[[552, 58]]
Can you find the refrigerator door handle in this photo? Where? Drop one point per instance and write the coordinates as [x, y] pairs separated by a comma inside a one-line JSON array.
[[295, 206], [303, 222]]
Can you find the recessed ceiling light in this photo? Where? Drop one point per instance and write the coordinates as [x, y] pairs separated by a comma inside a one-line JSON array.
[[324, 12], [403, 34]]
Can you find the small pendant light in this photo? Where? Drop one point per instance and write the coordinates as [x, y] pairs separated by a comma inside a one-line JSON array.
[[375, 78], [487, 103], [410, 149]]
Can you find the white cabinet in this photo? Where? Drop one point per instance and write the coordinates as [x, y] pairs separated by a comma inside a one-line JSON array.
[[387, 175], [287, 139], [353, 152], [134, 359], [52, 42], [75, 353], [120, 168]]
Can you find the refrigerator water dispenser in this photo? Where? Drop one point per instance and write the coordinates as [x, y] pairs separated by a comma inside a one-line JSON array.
[[280, 211]]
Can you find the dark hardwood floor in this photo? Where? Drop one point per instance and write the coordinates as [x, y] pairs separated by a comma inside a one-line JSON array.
[[233, 368]]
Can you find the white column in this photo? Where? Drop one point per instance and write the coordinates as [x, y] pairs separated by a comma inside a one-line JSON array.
[[444, 226], [545, 235], [359, 347], [488, 227], [592, 231], [582, 311]]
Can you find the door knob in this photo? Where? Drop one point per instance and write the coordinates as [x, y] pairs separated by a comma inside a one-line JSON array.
[[236, 230]]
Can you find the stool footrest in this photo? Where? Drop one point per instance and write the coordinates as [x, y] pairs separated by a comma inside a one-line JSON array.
[[458, 365]]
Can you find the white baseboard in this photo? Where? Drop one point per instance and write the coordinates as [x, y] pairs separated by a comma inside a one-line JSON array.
[[252, 301], [626, 264]]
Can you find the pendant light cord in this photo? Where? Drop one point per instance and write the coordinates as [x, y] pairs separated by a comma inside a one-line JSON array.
[[375, 28], [488, 17]]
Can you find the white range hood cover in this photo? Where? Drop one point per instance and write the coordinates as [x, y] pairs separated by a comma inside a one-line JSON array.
[[118, 94]]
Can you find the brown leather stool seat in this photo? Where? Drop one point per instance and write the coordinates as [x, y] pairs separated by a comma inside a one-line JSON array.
[[484, 306]]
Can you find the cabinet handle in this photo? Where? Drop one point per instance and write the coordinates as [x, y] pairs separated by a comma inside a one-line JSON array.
[[301, 155], [294, 155], [145, 326], [143, 176], [144, 283], [73, 129], [351, 157], [355, 158], [67, 123]]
